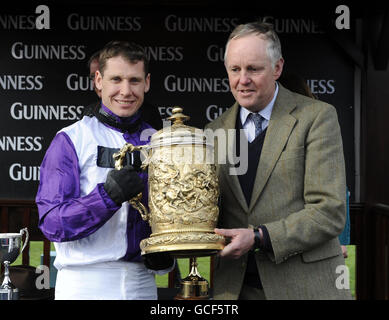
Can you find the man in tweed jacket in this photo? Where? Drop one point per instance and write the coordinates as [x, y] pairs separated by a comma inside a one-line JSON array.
[[282, 215]]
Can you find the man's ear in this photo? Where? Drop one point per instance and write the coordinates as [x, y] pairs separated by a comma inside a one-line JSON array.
[[99, 80], [278, 68], [147, 83]]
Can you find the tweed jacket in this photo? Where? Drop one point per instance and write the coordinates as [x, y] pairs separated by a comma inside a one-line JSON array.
[[298, 194]]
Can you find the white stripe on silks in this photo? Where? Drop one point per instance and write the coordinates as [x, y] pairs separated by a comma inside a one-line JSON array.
[[117, 280]]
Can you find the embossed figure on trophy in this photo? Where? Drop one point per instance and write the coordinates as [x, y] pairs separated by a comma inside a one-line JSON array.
[[162, 191]]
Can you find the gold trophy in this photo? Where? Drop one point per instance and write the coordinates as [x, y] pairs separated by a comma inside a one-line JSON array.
[[183, 197]]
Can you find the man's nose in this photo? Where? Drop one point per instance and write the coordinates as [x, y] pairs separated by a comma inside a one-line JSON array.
[[125, 88], [244, 78]]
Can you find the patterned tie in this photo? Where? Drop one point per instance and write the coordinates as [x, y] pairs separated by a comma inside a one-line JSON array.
[[257, 119]]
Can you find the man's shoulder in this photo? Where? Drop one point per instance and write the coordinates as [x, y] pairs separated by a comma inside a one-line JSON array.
[[84, 125], [306, 106], [219, 122]]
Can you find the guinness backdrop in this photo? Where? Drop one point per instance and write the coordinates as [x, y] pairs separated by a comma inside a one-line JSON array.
[[44, 82]]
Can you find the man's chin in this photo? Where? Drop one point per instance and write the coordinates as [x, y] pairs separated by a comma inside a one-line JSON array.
[[126, 112]]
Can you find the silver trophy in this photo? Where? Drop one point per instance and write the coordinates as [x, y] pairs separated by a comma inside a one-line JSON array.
[[10, 244]]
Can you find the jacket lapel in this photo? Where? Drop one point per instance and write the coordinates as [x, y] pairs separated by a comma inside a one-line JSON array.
[[277, 134], [229, 123]]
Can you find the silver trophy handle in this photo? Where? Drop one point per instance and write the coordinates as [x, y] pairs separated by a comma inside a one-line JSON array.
[[24, 230]]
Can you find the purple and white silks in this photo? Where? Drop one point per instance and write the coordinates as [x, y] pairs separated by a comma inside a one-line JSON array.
[[73, 205]]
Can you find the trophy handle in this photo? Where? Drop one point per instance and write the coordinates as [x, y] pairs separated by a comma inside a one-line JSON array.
[[138, 205], [24, 230], [128, 147], [119, 157]]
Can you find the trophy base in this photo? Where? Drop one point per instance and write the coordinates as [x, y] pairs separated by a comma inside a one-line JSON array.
[[193, 288], [9, 294], [185, 245], [182, 251]]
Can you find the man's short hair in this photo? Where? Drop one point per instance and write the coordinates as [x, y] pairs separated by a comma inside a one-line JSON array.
[[130, 51], [263, 29]]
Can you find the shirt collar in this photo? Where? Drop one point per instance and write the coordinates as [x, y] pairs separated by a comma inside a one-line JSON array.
[[265, 113]]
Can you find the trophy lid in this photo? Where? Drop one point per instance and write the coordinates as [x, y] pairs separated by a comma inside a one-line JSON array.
[[178, 132]]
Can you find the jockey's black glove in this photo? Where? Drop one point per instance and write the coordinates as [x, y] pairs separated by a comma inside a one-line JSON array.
[[124, 184]]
